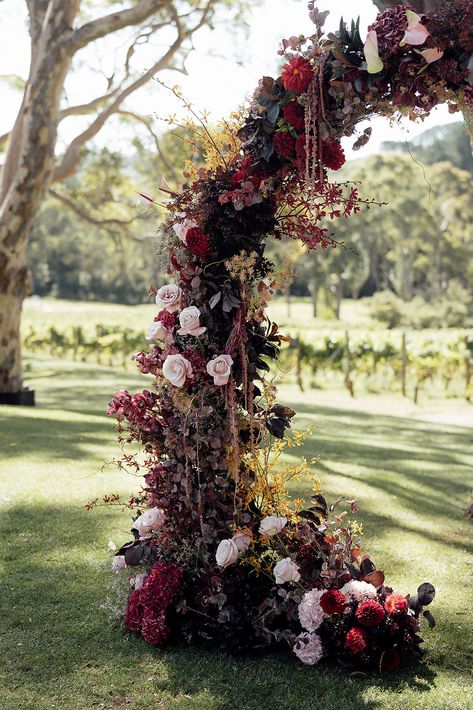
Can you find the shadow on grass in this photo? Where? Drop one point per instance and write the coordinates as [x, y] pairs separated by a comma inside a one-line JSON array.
[[65, 646]]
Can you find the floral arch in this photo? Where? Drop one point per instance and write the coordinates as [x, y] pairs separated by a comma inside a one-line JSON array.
[[227, 558]]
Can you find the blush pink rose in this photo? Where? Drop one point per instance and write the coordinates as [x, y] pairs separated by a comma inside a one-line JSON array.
[[157, 331], [286, 571], [169, 297], [189, 320], [152, 519], [227, 553], [176, 369], [219, 368]]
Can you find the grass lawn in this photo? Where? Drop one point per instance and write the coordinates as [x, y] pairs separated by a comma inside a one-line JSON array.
[[62, 650]]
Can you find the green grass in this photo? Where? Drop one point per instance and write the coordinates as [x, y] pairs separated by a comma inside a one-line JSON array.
[[61, 648]]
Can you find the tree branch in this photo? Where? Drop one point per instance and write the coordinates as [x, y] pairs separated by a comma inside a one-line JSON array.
[[114, 227], [147, 123], [115, 21], [71, 157]]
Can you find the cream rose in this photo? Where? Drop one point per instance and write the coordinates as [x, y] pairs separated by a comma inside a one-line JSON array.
[[227, 553], [219, 368], [152, 519], [286, 571], [169, 297], [177, 369], [189, 320], [157, 331], [272, 525], [118, 563]]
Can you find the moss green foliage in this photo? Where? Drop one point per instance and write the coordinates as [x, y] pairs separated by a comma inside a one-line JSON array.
[[61, 648]]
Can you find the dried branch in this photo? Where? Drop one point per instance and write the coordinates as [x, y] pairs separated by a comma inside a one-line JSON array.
[[147, 122]]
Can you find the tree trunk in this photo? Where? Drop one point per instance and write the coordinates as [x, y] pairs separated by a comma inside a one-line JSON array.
[[13, 284], [26, 175], [314, 292]]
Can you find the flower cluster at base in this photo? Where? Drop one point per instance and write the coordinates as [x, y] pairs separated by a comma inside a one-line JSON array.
[[230, 559]]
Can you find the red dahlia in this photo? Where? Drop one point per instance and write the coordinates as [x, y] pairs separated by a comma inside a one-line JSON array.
[[390, 660], [356, 640], [197, 242], [333, 156], [395, 604], [153, 628], [161, 585], [297, 75], [370, 613], [333, 602], [134, 611], [294, 115], [284, 144]]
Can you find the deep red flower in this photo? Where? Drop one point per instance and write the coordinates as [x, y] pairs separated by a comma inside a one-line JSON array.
[[134, 611], [390, 27], [297, 75], [333, 156], [161, 585], [167, 319], [153, 628], [370, 613], [390, 660], [197, 242], [120, 403], [333, 602], [356, 640], [294, 115], [284, 144], [395, 604]]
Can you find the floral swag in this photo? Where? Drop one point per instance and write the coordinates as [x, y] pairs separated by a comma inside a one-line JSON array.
[[228, 559]]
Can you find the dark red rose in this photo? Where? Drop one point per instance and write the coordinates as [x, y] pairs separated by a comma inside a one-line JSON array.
[[297, 75], [356, 641], [370, 613], [153, 628], [395, 604], [294, 115], [333, 602], [134, 611], [390, 660], [333, 156], [284, 144], [197, 242]]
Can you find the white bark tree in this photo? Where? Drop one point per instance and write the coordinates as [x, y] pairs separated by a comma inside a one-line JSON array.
[[30, 164]]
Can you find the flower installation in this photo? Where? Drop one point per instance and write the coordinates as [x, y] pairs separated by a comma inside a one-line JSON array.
[[221, 555]]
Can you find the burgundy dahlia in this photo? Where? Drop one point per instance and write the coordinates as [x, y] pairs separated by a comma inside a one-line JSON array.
[[284, 145], [333, 156], [197, 242], [395, 604], [370, 613], [153, 628], [294, 115], [356, 640], [333, 602], [297, 75], [161, 585]]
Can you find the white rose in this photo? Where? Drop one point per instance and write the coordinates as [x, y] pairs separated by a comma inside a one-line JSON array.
[[176, 369], [169, 297], [189, 320], [152, 519], [118, 563], [272, 525], [286, 571], [157, 331], [242, 541], [219, 368], [227, 553], [181, 228]]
